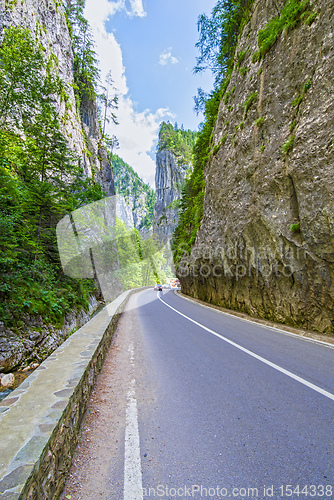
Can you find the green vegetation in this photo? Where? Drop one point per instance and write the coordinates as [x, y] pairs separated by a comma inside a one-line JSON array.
[[292, 126], [218, 37], [85, 68], [40, 182], [141, 261], [177, 140], [243, 71], [129, 185], [219, 145], [240, 57], [259, 122], [295, 228], [297, 101], [292, 13], [288, 146], [240, 126], [249, 101]]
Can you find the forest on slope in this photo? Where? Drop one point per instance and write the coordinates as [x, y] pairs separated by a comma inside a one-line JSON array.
[[53, 161], [138, 195], [41, 176]]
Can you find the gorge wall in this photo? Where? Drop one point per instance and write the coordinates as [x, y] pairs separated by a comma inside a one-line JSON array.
[[265, 245], [169, 176], [47, 22], [34, 340]]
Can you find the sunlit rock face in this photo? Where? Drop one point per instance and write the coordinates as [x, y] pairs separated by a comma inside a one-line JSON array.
[[168, 181], [266, 242], [46, 21]]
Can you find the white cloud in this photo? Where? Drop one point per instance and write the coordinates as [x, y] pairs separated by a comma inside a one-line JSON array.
[[137, 8], [97, 12], [167, 58], [100, 11], [137, 131]]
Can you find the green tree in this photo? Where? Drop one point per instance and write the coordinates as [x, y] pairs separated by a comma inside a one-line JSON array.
[[85, 65], [40, 182], [179, 141], [218, 35]]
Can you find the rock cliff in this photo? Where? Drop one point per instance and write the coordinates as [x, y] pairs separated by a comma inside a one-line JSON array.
[[169, 176], [135, 199], [265, 245], [46, 20]]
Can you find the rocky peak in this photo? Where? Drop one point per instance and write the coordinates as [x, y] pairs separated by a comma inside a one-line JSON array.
[[169, 176]]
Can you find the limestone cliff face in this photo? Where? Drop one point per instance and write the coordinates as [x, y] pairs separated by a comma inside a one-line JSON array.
[[168, 180], [266, 241], [46, 20], [124, 212]]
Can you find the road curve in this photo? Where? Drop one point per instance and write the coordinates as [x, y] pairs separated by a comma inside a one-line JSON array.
[[217, 407], [224, 418]]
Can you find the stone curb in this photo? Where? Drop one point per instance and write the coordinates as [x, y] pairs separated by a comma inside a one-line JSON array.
[[40, 420]]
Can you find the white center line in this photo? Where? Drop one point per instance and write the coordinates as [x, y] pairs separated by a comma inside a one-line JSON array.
[[256, 356], [133, 487]]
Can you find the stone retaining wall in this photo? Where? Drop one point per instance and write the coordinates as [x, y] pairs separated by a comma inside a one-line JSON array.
[[40, 420]]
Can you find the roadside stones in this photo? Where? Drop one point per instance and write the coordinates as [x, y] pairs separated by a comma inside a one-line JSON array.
[[7, 380]]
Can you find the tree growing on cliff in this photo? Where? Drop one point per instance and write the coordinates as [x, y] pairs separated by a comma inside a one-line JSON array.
[[40, 182], [218, 35], [177, 140]]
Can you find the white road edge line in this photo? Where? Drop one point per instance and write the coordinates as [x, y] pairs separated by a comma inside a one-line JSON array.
[[328, 395], [274, 328], [133, 485]]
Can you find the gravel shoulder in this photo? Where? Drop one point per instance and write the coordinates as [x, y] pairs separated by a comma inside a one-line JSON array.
[[97, 467]]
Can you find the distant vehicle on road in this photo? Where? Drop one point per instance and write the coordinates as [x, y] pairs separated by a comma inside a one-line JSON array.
[[158, 287], [167, 286]]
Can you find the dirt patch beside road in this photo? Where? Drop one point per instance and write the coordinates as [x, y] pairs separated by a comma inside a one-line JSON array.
[[97, 467]]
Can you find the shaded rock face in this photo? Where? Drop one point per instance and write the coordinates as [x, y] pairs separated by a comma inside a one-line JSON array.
[[46, 20], [132, 210], [124, 212], [98, 161], [39, 340], [169, 177], [265, 177]]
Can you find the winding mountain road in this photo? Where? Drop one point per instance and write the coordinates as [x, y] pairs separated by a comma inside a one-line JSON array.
[[196, 403]]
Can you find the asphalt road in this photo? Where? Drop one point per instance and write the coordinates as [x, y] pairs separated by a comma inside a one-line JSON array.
[[212, 406], [221, 417]]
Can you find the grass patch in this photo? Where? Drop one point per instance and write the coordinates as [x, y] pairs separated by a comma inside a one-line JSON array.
[[240, 57], [218, 146], [293, 126], [247, 104], [295, 228], [259, 121], [236, 128], [292, 13], [288, 146]]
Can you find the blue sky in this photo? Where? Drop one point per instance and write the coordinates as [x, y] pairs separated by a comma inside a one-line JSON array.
[[149, 46]]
